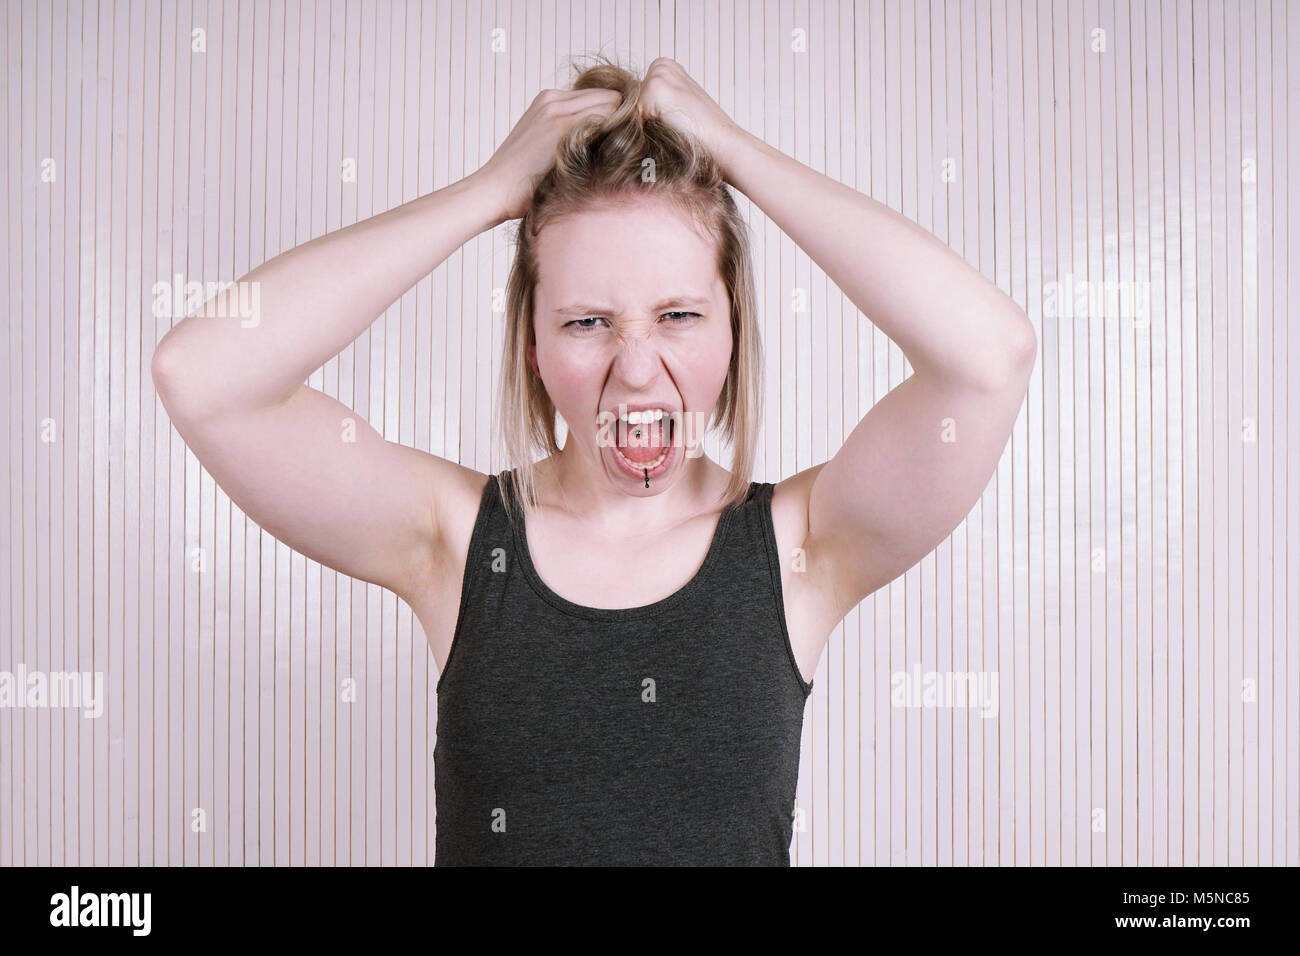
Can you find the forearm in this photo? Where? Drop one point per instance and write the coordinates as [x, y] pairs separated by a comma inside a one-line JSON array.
[[946, 317], [312, 301]]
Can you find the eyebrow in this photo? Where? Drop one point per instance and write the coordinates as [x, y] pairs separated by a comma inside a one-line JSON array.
[[585, 310]]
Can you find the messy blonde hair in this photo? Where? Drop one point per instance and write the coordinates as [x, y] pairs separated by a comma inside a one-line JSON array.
[[600, 162]]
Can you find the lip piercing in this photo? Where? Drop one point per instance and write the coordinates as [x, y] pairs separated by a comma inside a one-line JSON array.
[[647, 477]]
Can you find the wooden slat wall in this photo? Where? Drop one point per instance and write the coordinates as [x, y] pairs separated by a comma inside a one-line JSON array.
[[1130, 573]]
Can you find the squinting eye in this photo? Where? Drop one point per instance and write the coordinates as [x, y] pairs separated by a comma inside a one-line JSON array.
[[578, 323]]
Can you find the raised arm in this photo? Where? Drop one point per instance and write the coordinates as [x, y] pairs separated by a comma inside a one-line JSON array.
[[920, 458], [301, 464], [917, 462]]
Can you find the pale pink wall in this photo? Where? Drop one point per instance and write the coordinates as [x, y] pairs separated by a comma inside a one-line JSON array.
[[1133, 561]]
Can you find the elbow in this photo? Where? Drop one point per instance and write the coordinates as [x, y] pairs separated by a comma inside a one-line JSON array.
[[1024, 347], [164, 372], [173, 378], [160, 367], [164, 366], [1011, 364]]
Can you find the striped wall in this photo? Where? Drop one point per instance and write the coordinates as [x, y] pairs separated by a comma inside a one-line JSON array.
[[1130, 576]]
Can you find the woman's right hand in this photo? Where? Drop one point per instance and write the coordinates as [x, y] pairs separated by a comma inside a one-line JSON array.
[[529, 151]]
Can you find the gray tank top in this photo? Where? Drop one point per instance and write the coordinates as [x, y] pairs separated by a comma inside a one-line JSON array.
[[666, 734]]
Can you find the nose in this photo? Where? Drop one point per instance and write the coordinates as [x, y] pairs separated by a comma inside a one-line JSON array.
[[638, 359], [638, 355]]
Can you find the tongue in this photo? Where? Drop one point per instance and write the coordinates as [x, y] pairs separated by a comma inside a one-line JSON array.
[[646, 448]]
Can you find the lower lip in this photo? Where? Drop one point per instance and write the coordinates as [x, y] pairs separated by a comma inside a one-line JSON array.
[[630, 469]]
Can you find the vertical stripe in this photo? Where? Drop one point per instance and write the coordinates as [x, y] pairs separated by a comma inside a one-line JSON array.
[[1128, 573]]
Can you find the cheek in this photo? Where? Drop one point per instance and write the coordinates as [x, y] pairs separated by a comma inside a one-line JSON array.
[[571, 380], [709, 362]]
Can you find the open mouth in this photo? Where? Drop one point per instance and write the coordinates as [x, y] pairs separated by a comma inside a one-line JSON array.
[[643, 444], [645, 469], [639, 463]]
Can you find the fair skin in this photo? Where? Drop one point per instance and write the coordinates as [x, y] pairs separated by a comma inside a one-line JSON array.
[[888, 496], [601, 343]]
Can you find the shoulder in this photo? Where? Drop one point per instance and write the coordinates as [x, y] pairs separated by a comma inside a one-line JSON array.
[[454, 493], [457, 496], [826, 575], [790, 498]]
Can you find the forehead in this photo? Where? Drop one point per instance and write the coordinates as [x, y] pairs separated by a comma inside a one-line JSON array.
[[625, 255]]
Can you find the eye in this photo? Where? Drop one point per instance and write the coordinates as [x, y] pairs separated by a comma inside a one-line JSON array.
[[675, 318], [576, 323]]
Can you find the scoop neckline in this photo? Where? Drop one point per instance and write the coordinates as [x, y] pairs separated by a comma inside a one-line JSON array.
[[520, 533]]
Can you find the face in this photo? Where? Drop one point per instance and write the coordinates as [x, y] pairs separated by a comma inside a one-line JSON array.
[[631, 314]]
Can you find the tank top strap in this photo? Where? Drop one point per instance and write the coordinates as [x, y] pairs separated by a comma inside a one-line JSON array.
[[489, 527], [752, 562]]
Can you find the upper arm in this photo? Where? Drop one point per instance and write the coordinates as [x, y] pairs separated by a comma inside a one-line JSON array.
[[319, 478], [908, 474]]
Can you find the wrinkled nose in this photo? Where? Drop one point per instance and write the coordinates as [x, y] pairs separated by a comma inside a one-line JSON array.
[[637, 364], [637, 355], [636, 342]]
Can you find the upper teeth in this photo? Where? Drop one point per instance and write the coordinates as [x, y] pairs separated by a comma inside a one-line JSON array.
[[643, 418]]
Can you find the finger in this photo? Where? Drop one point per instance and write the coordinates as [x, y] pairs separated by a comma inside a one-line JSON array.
[[649, 107], [580, 100]]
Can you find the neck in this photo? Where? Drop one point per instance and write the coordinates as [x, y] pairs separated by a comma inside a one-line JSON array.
[[578, 482]]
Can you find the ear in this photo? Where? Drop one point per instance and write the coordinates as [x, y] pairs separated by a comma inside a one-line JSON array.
[[532, 359]]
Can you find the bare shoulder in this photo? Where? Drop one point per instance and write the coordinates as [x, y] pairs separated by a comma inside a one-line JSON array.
[[454, 492], [433, 589], [810, 560], [815, 597], [790, 498], [457, 492], [829, 560]]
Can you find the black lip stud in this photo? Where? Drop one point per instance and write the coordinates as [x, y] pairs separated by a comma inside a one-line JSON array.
[[647, 477]]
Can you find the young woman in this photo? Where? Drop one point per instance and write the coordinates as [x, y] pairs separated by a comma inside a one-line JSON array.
[[626, 632]]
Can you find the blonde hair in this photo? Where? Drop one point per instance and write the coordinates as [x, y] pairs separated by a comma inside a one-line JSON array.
[[600, 162]]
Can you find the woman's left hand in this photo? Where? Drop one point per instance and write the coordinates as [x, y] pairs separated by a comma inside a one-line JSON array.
[[669, 92]]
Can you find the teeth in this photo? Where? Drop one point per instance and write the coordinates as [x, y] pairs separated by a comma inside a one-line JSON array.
[[643, 418], [643, 465]]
